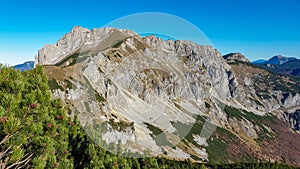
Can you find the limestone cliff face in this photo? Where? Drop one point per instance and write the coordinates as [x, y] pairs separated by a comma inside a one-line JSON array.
[[81, 39], [169, 97], [73, 41]]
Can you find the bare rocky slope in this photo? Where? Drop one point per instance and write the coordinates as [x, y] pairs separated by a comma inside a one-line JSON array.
[[174, 99]]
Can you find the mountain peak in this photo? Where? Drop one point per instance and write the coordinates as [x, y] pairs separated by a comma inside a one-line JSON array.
[[78, 39], [280, 64], [279, 60], [234, 57], [25, 66], [79, 28]]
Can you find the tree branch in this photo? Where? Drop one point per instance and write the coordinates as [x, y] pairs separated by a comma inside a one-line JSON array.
[[5, 139], [26, 160]]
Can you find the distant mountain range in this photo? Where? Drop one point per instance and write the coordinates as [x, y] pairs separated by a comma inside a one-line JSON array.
[[25, 66], [275, 60], [280, 64]]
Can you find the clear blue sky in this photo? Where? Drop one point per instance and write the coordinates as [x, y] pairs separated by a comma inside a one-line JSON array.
[[258, 29]]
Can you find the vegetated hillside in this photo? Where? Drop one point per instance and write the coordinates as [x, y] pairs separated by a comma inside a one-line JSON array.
[[36, 132], [275, 91], [287, 68], [272, 91], [281, 65], [212, 112]]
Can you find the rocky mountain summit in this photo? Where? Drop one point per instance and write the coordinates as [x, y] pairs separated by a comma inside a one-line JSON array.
[[235, 57], [175, 99]]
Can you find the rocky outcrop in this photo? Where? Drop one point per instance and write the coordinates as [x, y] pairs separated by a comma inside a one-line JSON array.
[[235, 57]]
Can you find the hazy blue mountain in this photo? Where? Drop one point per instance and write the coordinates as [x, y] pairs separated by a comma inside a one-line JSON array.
[[279, 60], [281, 64], [275, 60], [290, 68], [25, 66]]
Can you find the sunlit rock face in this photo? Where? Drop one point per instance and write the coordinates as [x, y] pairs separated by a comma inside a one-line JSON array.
[[165, 97]]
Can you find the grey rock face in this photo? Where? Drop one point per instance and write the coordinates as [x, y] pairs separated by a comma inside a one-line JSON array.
[[137, 86], [75, 40]]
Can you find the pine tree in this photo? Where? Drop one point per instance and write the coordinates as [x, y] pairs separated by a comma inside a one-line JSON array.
[[30, 120]]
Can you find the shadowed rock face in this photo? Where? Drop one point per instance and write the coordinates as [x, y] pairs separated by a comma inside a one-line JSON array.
[[163, 96]]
